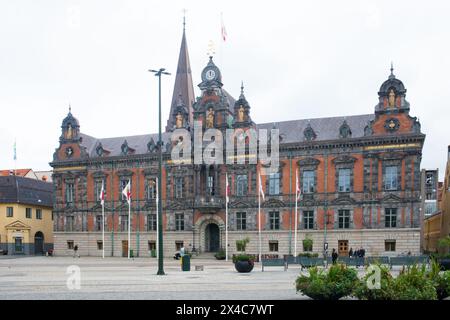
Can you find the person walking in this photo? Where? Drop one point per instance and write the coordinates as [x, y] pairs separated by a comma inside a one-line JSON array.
[[334, 256], [75, 251], [350, 253]]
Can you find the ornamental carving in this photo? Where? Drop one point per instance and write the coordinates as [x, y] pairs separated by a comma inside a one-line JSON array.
[[392, 125]]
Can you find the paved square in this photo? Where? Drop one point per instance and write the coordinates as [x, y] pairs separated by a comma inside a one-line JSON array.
[[119, 278]]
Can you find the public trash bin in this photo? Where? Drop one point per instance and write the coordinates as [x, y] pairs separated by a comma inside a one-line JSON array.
[[131, 254], [153, 253], [186, 263]]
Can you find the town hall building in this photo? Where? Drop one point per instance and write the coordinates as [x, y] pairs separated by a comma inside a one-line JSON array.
[[359, 177]]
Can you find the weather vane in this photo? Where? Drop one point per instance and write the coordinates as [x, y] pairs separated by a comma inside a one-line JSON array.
[[211, 48]]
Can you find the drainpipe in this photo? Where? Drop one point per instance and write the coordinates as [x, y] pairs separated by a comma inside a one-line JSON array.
[[290, 202]]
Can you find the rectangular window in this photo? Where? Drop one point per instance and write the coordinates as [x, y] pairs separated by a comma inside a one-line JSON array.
[[308, 219], [274, 220], [273, 246], [241, 221], [151, 222], [123, 223], [344, 219], [99, 245], [70, 222], [308, 182], [151, 245], [39, 214], [389, 245], [9, 212], [98, 190], [178, 245], [274, 183], [390, 218], [390, 178], [122, 185], [69, 193], [70, 244], [241, 185], [178, 187], [98, 223], [150, 192], [210, 185], [344, 180], [179, 221], [28, 213]]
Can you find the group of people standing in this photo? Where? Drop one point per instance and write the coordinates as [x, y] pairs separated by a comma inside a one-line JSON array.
[[359, 253]]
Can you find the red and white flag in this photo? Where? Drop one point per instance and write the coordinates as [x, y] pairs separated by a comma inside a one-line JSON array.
[[102, 195], [261, 187], [224, 31], [127, 192], [297, 186]]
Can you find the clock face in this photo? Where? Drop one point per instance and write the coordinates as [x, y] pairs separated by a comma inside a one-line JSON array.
[[210, 74]]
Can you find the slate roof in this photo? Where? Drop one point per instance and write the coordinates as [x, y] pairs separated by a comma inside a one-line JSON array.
[[324, 128], [14, 189], [290, 131]]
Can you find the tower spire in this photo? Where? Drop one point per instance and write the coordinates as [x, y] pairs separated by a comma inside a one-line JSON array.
[[392, 71], [183, 88]]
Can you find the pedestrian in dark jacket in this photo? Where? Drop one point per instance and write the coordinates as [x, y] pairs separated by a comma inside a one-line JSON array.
[[350, 253], [334, 256]]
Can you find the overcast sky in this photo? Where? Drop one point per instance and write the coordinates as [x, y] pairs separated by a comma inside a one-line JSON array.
[[298, 59]]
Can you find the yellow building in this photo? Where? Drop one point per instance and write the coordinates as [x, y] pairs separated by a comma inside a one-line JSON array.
[[26, 223]]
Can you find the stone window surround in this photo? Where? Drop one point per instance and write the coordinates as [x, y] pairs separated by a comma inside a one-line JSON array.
[[239, 220], [148, 226], [344, 162], [179, 222], [308, 164], [124, 175], [336, 217], [269, 225], [301, 222]]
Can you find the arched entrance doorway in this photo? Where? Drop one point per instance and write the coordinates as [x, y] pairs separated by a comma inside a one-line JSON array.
[[39, 243], [212, 238]]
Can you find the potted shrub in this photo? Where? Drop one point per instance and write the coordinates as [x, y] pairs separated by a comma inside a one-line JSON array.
[[243, 262], [386, 290], [441, 280], [220, 255], [338, 282], [307, 244], [413, 283], [443, 258]]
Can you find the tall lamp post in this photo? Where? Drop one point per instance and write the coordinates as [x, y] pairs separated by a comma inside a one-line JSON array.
[[158, 74]]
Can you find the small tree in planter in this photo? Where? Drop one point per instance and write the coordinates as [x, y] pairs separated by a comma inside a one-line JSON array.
[[338, 282], [243, 262], [307, 245]]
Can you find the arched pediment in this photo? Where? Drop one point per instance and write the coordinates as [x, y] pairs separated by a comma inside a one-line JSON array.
[[274, 203], [344, 159], [343, 200]]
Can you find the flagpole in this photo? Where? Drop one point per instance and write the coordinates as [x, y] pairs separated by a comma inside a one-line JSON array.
[[226, 216], [295, 219], [129, 222], [103, 223], [259, 216], [157, 217]]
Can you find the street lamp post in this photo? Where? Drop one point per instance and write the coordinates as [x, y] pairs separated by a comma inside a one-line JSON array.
[[158, 74]]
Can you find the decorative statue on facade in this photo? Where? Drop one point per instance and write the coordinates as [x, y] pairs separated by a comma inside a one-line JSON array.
[[179, 121], [69, 132], [210, 118], [241, 114], [391, 98]]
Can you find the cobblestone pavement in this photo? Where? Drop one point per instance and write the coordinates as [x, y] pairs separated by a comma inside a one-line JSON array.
[[119, 278]]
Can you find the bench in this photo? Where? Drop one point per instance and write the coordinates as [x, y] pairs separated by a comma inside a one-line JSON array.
[[408, 261], [356, 262], [273, 263], [377, 260], [310, 262]]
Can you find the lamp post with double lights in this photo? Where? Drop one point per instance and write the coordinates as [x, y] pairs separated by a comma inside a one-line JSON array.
[[158, 74]]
